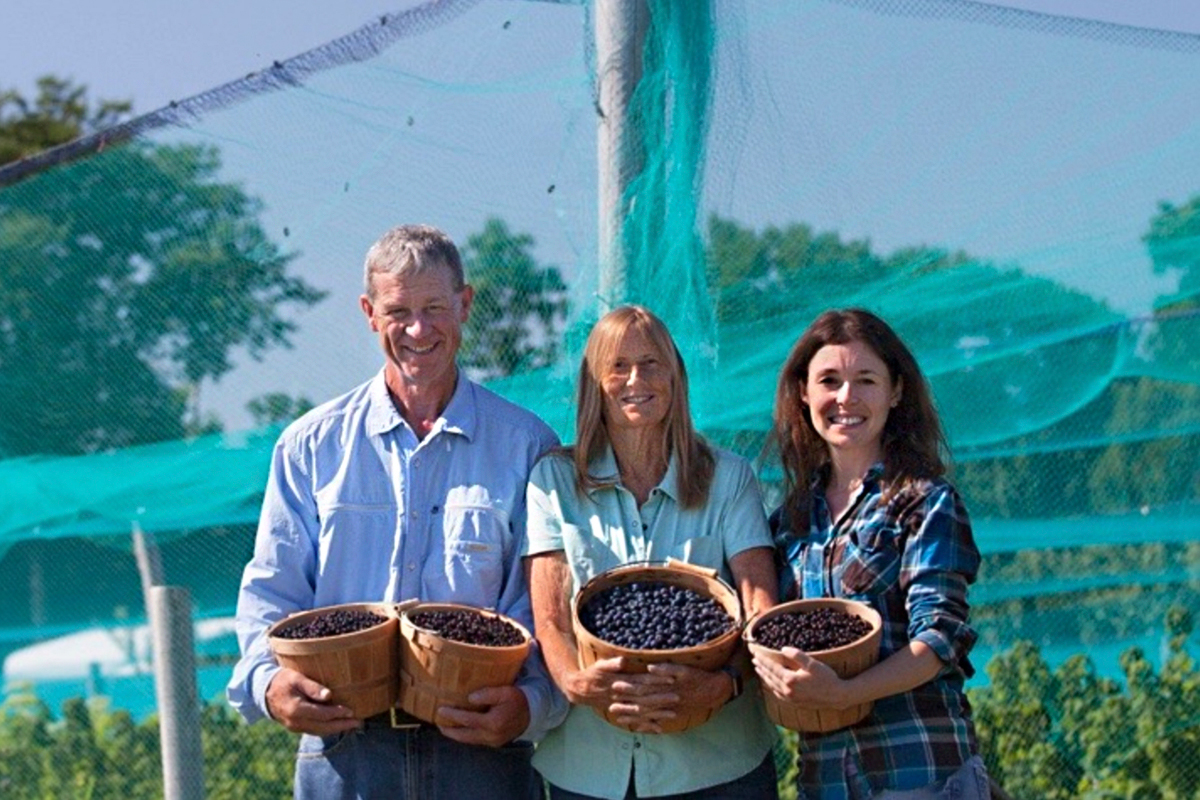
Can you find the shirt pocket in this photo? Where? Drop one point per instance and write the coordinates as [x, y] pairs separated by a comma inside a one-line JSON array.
[[475, 536], [872, 563]]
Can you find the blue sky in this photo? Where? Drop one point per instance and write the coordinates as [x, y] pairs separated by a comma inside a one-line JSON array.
[[133, 49], [152, 52]]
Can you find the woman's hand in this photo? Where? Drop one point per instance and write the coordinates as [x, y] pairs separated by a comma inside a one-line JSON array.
[[681, 691], [605, 683], [802, 679]]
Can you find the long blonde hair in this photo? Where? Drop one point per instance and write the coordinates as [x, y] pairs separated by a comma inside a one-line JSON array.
[[696, 462]]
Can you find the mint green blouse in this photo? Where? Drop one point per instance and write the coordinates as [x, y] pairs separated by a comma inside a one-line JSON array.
[[605, 528]]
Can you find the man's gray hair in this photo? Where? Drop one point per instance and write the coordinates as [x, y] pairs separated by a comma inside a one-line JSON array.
[[412, 249]]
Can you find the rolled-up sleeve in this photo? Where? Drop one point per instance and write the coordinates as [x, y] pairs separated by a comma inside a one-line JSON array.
[[744, 524], [940, 561], [543, 510]]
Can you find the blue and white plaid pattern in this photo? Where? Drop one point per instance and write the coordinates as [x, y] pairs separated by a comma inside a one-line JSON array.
[[911, 559]]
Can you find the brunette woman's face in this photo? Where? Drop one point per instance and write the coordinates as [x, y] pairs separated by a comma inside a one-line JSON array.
[[849, 393]]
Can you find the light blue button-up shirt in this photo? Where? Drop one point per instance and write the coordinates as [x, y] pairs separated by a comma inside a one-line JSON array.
[[357, 509], [605, 528]]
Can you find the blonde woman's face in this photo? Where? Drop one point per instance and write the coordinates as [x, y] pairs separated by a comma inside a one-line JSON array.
[[636, 384]]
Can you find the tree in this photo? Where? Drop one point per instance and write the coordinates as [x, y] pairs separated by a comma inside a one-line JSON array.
[[1174, 244], [126, 279], [519, 308], [59, 114], [774, 271], [276, 407], [1070, 733]]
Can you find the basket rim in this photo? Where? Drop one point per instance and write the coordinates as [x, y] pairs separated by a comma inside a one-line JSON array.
[[869, 614], [433, 605], [669, 567], [294, 618]]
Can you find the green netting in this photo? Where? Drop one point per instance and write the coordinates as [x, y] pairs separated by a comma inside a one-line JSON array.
[[1015, 192]]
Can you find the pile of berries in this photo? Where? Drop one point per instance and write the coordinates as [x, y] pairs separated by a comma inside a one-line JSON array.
[[652, 615], [333, 623], [809, 631], [469, 627]]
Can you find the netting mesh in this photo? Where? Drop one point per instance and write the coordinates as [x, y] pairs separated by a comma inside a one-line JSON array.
[[1015, 192]]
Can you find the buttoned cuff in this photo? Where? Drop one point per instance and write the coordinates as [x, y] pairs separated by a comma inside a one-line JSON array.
[[260, 679], [547, 709]]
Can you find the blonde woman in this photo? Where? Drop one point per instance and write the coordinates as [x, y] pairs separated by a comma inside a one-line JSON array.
[[641, 485]]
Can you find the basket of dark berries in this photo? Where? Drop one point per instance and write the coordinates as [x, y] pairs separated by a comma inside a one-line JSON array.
[[449, 650], [653, 614], [844, 634], [349, 648]]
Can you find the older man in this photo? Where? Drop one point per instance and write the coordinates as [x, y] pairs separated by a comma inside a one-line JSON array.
[[410, 486]]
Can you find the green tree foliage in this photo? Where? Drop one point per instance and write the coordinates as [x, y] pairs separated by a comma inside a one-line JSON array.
[[519, 307], [58, 114], [126, 279], [775, 272], [277, 408], [1069, 733], [94, 753], [1174, 244]]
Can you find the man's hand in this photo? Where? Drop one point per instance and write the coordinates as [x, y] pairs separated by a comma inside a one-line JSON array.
[[505, 717], [303, 706]]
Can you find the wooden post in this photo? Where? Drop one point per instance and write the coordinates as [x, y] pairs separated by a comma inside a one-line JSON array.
[[175, 691], [169, 614]]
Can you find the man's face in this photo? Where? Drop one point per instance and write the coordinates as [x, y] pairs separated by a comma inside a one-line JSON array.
[[419, 320]]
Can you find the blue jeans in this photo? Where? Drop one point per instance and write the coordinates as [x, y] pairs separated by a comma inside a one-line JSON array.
[[419, 764], [758, 784], [969, 783]]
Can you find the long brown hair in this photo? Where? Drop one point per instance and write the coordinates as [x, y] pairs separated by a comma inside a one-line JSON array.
[[913, 440], [696, 463]]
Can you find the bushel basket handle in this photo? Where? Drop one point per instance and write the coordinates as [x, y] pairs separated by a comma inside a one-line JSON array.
[[405, 605]]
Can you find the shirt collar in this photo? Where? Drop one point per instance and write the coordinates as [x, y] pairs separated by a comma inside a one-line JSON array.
[[821, 478], [458, 416], [603, 470]]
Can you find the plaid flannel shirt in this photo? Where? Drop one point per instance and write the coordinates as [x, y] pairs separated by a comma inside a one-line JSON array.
[[911, 559]]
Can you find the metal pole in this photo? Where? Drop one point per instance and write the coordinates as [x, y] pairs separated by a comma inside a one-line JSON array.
[[620, 33], [175, 690]]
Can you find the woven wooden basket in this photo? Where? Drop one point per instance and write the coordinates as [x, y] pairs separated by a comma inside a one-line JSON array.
[[847, 661], [436, 671], [359, 668], [708, 656]]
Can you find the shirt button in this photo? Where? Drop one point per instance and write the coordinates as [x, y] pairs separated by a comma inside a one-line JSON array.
[[413, 514], [645, 526], [411, 566], [637, 744]]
